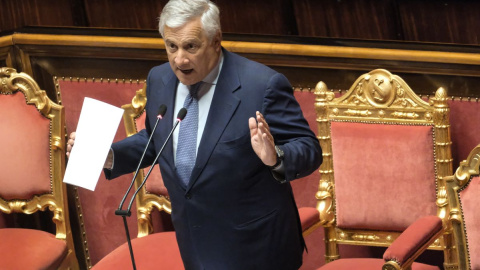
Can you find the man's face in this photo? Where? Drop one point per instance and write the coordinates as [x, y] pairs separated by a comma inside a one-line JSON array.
[[191, 55]]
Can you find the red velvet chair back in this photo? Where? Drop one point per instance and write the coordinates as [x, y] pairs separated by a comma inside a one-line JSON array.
[[32, 143], [386, 152], [100, 230], [463, 191], [156, 245]]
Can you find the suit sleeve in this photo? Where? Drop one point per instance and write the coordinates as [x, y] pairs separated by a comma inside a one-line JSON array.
[[290, 130], [127, 152]]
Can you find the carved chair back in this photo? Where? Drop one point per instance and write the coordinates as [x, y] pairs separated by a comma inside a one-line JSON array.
[[93, 216], [463, 191], [386, 153], [32, 143]]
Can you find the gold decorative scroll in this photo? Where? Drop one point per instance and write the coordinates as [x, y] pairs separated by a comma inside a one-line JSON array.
[[370, 238]]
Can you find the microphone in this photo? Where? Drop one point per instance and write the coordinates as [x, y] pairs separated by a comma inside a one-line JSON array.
[[181, 114], [161, 112]]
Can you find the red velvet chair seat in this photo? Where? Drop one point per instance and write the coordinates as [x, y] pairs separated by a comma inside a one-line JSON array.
[[30, 249], [155, 251], [308, 216], [367, 264]]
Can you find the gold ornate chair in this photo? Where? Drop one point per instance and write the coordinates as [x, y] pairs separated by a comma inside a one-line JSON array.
[[386, 153], [463, 192], [151, 250], [32, 143]]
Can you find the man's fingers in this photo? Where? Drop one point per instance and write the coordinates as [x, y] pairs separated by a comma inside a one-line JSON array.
[[259, 126], [261, 119], [252, 124], [263, 127], [70, 143], [265, 132]]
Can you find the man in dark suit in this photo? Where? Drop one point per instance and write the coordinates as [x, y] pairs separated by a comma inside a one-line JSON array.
[[234, 206]]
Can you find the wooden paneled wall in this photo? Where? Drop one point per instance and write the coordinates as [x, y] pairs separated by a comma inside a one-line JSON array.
[[445, 21], [114, 53]]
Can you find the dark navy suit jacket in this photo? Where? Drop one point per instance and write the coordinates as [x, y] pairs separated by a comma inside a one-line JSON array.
[[233, 214]]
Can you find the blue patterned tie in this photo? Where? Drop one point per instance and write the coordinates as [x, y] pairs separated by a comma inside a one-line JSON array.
[[187, 136]]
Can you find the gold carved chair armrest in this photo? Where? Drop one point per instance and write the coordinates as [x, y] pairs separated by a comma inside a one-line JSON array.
[[412, 242]]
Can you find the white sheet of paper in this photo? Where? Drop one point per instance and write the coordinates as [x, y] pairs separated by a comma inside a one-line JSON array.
[[95, 132]]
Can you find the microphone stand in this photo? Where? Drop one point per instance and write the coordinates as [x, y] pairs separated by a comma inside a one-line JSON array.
[[151, 167], [125, 213]]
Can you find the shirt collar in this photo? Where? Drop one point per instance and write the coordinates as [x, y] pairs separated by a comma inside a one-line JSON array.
[[212, 77]]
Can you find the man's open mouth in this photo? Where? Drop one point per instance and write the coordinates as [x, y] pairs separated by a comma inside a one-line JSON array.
[[186, 71]]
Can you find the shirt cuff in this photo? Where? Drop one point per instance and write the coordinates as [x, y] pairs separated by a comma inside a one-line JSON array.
[[110, 153]]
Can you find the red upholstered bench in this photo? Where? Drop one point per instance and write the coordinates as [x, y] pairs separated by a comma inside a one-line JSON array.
[[155, 251]]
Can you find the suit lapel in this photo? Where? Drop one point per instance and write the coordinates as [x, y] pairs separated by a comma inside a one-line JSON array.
[[224, 104], [167, 96]]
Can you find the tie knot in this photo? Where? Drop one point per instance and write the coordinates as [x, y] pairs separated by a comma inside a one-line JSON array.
[[194, 88]]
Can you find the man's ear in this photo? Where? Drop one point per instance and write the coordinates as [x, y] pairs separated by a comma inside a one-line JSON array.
[[217, 41]]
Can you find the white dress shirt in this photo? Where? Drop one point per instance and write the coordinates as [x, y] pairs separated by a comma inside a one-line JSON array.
[[205, 95]]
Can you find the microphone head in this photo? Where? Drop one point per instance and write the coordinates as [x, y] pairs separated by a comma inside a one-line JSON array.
[[161, 111], [181, 114]]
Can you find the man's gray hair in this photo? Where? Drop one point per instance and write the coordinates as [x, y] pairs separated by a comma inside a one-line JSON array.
[[176, 13]]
